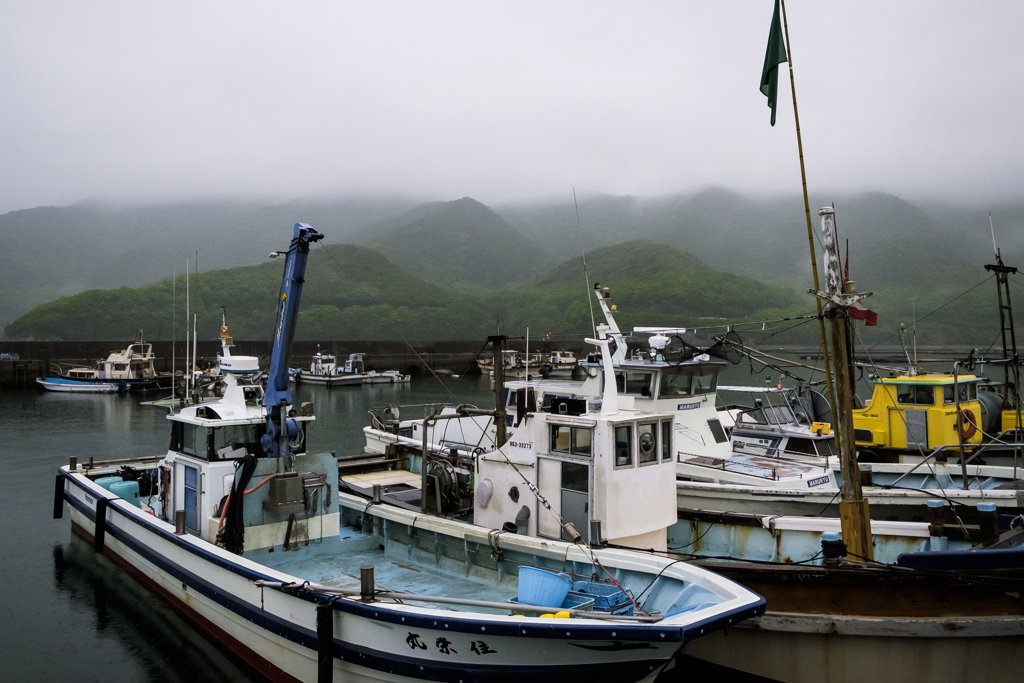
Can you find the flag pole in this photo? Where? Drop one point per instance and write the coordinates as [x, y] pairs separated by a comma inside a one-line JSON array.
[[807, 213]]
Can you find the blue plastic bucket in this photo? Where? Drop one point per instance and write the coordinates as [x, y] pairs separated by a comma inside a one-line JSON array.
[[542, 588], [127, 490], [107, 482]]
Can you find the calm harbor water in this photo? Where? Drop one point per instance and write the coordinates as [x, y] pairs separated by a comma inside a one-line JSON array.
[[68, 615]]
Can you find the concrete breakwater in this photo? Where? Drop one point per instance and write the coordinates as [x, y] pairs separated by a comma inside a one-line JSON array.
[[42, 358]]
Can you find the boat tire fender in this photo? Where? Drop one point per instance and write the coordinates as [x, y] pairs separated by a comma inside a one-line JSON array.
[[100, 532], [325, 641], [58, 497], [967, 424]]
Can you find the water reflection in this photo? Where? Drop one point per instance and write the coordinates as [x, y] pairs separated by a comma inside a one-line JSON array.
[[160, 645]]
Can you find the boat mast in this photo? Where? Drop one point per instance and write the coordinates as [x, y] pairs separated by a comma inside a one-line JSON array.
[[807, 213], [853, 507], [1011, 362]]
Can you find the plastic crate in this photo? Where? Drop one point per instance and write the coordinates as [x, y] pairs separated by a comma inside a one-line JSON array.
[[583, 603], [607, 598]]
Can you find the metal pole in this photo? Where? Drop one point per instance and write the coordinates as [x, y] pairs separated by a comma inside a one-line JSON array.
[[497, 342], [807, 213]]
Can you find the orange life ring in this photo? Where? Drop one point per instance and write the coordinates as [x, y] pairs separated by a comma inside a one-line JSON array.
[[967, 424]]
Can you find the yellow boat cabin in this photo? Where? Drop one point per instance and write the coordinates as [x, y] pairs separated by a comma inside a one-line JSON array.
[[919, 413]]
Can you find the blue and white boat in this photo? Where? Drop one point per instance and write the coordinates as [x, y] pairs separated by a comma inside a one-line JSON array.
[[74, 386], [247, 535]]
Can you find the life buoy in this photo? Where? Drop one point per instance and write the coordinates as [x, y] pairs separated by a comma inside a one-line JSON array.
[[967, 424]]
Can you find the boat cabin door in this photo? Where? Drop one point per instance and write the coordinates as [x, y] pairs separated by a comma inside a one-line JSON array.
[[913, 422], [576, 497]]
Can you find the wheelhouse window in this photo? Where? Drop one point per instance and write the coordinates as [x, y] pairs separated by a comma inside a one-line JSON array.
[[666, 440], [233, 437], [647, 442], [572, 440], [624, 446], [675, 384], [637, 383], [916, 394], [968, 392], [705, 384]]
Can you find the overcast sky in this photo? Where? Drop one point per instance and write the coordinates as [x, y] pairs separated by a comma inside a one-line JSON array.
[[502, 101]]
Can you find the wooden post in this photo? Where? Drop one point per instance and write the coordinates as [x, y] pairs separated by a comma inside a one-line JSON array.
[[854, 516]]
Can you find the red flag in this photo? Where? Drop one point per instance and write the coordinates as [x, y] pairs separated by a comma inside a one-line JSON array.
[[858, 312]]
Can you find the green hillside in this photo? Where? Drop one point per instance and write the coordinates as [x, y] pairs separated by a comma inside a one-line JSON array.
[[459, 242], [653, 284]]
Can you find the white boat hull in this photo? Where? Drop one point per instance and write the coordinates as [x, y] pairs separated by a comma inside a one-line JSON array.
[[329, 380], [78, 388], [276, 632]]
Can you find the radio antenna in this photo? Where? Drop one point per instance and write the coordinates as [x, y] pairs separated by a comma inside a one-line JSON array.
[[586, 275], [993, 231]]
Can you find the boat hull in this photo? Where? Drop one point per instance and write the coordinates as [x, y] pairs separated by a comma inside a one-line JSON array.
[[275, 632], [329, 380], [78, 387]]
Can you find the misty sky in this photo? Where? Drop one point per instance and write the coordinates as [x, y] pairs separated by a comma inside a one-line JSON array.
[[502, 101]]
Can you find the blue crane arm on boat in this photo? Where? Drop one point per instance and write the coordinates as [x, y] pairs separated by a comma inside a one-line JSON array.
[[278, 395]]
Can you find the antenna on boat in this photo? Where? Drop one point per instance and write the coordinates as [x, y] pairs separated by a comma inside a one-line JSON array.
[[993, 231], [586, 275]]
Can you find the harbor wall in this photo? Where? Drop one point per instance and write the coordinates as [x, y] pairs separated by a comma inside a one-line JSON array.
[[39, 358]]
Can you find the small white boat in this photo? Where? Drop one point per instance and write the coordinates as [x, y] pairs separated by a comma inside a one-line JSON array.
[[386, 377], [68, 385]]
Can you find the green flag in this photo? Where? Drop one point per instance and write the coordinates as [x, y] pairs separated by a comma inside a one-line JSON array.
[[775, 55]]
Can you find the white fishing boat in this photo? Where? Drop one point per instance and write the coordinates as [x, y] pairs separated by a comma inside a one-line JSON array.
[[244, 533], [324, 371], [73, 386]]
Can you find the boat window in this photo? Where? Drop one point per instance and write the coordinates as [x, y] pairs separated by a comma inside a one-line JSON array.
[[800, 446], [574, 440], [755, 415], [705, 384], [232, 437], [624, 446], [717, 430], [968, 392], [779, 415], [666, 440], [921, 395], [647, 441], [639, 383], [120, 367], [194, 440], [826, 447], [575, 477], [675, 384]]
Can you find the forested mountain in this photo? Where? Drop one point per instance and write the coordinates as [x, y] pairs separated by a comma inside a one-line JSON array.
[[459, 242], [354, 292], [919, 260], [50, 251]]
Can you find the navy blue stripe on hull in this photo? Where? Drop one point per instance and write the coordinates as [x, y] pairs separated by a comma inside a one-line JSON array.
[[366, 657]]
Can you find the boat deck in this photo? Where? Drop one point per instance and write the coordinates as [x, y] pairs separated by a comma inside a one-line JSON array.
[[398, 569]]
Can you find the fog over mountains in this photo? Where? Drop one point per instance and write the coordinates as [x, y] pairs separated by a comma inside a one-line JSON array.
[[914, 257]]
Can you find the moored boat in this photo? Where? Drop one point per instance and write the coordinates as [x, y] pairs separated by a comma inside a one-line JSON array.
[[73, 386], [246, 534]]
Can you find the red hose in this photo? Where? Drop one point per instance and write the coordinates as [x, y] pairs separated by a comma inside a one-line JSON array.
[[260, 484]]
